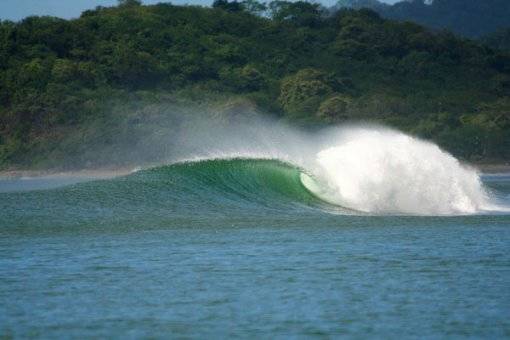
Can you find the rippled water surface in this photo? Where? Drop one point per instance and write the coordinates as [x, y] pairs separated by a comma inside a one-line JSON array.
[[189, 253]]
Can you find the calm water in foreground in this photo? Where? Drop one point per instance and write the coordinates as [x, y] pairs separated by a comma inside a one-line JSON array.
[[186, 253]]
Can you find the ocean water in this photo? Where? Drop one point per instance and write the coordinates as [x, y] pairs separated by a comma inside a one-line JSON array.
[[361, 239]]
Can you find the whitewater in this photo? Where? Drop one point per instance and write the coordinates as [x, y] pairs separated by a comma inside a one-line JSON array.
[[368, 169], [383, 171], [353, 169]]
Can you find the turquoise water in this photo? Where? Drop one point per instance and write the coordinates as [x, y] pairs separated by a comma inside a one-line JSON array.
[[241, 248]]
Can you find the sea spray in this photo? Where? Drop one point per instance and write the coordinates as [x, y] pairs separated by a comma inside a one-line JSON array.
[[369, 169], [378, 170]]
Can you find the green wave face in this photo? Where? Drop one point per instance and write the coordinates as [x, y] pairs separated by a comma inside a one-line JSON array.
[[255, 181], [222, 185], [194, 193]]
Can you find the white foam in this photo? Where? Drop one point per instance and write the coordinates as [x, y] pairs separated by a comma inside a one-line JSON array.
[[366, 168], [384, 171]]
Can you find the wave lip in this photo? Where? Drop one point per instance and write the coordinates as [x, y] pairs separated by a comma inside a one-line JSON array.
[[351, 170], [361, 170]]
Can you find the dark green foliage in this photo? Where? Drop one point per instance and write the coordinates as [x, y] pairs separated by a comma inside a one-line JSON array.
[[233, 6], [300, 13], [254, 7], [58, 76], [129, 2], [302, 93], [335, 108]]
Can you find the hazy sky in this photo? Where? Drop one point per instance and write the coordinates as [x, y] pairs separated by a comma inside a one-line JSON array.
[[18, 9]]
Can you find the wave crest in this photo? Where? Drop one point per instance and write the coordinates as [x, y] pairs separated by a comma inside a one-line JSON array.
[[383, 171]]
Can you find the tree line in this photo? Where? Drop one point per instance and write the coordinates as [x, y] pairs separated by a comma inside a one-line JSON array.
[[293, 60]]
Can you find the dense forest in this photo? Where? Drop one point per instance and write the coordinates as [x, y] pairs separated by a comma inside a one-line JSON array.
[[469, 18], [64, 83]]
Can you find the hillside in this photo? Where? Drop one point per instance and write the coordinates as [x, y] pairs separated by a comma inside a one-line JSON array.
[[112, 74], [498, 40], [468, 18]]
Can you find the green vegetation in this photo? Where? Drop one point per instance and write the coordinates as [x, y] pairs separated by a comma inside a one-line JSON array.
[[66, 83]]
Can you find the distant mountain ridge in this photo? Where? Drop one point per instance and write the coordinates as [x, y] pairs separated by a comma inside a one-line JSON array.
[[469, 18], [499, 40]]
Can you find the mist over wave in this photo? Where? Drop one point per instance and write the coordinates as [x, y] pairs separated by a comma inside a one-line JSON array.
[[364, 168], [370, 169]]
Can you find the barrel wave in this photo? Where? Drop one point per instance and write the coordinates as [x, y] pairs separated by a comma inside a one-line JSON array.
[[231, 184], [363, 170], [207, 192], [358, 171]]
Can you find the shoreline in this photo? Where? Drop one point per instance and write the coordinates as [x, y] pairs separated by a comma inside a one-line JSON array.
[[83, 173], [492, 168], [103, 173]]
